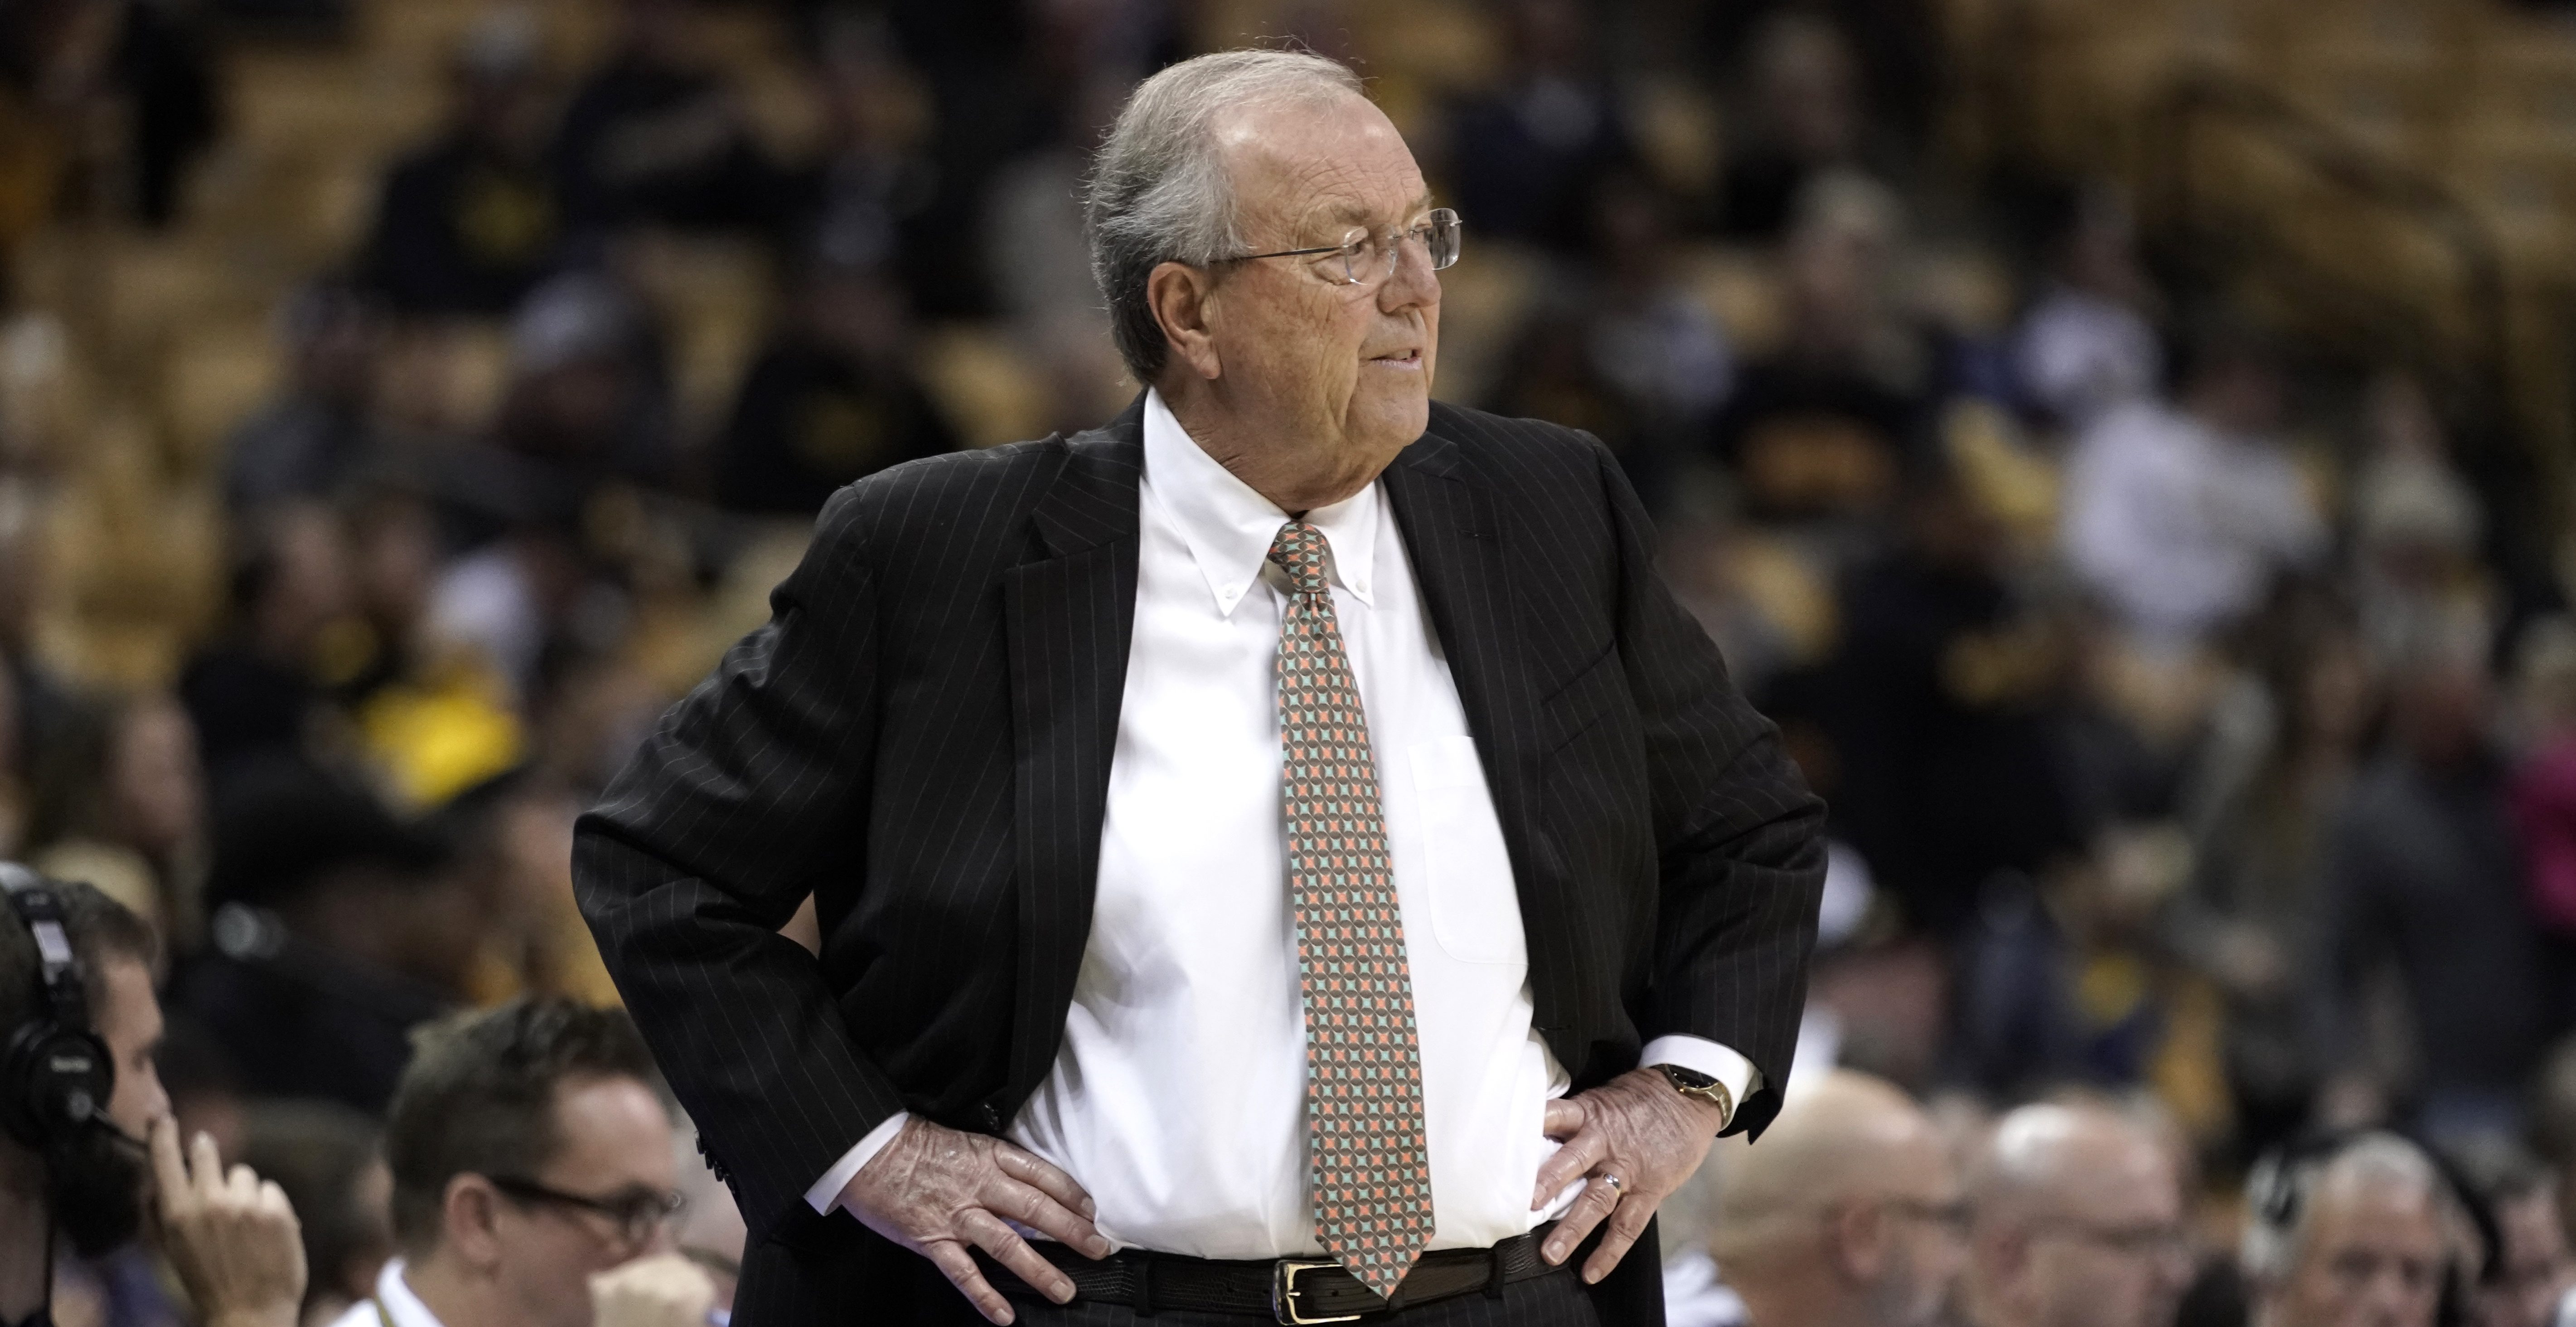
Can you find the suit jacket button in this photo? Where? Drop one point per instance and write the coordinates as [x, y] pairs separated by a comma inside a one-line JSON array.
[[991, 1118]]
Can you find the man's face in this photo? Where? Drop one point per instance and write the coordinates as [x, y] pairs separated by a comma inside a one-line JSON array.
[[130, 1023], [2373, 1257], [2536, 1270], [2111, 1250], [617, 1145], [1926, 1240], [1349, 365]]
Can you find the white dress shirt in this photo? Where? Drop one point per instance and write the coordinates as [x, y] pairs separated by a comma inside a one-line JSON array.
[[1178, 1097], [394, 1305]]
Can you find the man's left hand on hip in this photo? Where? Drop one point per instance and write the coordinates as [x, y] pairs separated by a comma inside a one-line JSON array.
[[1637, 1140]]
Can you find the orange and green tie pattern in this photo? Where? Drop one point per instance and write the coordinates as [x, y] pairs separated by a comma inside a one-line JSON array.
[[1370, 1172]]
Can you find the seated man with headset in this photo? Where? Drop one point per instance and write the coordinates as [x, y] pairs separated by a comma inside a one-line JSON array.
[[2361, 1227], [85, 1129]]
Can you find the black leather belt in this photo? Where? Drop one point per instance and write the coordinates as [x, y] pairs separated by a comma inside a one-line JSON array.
[[1286, 1290]]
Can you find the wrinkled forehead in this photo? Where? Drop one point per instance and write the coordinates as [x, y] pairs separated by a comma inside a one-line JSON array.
[[1305, 169], [2110, 1173], [2376, 1215]]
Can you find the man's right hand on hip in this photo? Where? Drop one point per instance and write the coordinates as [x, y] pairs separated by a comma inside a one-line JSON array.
[[937, 1191]]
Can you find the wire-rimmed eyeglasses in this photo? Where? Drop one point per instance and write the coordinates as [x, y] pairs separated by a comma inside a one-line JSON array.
[[1366, 256]]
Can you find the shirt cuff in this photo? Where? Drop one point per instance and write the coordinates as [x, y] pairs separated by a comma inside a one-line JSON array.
[[827, 1190], [1700, 1055]]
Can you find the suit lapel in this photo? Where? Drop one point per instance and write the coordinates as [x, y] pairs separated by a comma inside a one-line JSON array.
[[1463, 561], [1070, 613]]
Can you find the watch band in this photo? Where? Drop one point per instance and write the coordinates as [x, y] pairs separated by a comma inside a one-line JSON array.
[[1693, 1083]]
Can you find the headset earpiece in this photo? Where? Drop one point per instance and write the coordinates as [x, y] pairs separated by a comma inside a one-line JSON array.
[[56, 1075]]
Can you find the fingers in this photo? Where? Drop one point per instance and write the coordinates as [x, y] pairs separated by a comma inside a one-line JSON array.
[[958, 1266], [1577, 1158], [205, 1166], [1627, 1222], [1033, 1170], [1565, 1117], [1041, 1212], [1590, 1206], [241, 1185], [994, 1236], [169, 1172], [663, 1290]]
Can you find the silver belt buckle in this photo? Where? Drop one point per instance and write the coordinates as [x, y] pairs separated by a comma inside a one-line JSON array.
[[1284, 1292]]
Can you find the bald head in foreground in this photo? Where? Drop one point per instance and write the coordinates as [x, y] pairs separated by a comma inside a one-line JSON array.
[[2079, 1223], [1848, 1214]]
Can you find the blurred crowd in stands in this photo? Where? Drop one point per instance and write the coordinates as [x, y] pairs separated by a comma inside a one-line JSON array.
[[2198, 720]]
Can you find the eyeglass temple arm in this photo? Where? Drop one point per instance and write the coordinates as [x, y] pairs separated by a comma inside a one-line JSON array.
[[1289, 253]]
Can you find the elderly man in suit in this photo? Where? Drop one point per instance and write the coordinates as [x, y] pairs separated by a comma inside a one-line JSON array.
[[1282, 856]]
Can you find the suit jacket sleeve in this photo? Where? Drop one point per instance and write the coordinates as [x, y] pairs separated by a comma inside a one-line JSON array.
[[1740, 837], [749, 790]]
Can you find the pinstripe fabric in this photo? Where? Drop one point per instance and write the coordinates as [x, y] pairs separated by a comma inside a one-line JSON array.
[[921, 737]]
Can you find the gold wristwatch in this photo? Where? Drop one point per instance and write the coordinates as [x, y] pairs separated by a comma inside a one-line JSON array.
[[1693, 1083]]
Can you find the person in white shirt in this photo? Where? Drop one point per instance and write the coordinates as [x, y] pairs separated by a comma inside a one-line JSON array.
[[535, 1175], [1283, 853], [2179, 517]]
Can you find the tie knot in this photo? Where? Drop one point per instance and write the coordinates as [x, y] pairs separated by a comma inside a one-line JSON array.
[[1299, 550]]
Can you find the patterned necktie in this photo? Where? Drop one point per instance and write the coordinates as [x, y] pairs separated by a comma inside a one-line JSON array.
[[1371, 1173]]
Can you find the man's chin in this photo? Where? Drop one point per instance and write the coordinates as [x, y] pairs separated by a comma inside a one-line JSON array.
[[1392, 422]]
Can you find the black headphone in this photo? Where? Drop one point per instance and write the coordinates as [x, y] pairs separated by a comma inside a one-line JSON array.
[[56, 1075]]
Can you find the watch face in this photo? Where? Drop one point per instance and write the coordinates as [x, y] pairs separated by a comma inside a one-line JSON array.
[[1689, 1080]]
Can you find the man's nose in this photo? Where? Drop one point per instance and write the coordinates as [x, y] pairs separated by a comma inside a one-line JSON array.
[[1413, 282], [2389, 1302]]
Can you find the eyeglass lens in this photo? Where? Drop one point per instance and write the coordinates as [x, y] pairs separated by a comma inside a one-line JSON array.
[[1369, 256]]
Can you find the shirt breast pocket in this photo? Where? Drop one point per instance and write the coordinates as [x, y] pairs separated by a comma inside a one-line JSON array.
[[1475, 912]]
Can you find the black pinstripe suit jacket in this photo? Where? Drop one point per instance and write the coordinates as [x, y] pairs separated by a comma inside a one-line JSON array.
[[921, 737]]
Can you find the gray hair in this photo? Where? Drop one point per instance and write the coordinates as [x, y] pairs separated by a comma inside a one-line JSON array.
[[2282, 1193], [1158, 192]]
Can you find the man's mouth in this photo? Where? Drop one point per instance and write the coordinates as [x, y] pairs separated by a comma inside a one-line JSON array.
[[1400, 359]]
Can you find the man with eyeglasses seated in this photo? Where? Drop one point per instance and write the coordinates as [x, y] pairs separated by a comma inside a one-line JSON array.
[[534, 1168], [2355, 1232], [2079, 1223], [1847, 1214]]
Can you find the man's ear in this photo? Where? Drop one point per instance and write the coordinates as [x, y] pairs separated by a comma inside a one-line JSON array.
[[2001, 1254], [1184, 301], [1856, 1241], [470, 1223]]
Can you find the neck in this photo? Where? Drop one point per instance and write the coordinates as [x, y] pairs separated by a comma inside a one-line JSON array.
[[454, 1294], [1296, 473], [25, 1273]]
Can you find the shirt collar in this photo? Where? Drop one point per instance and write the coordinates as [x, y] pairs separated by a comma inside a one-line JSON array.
[[401, 1307], [1229, 527]]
